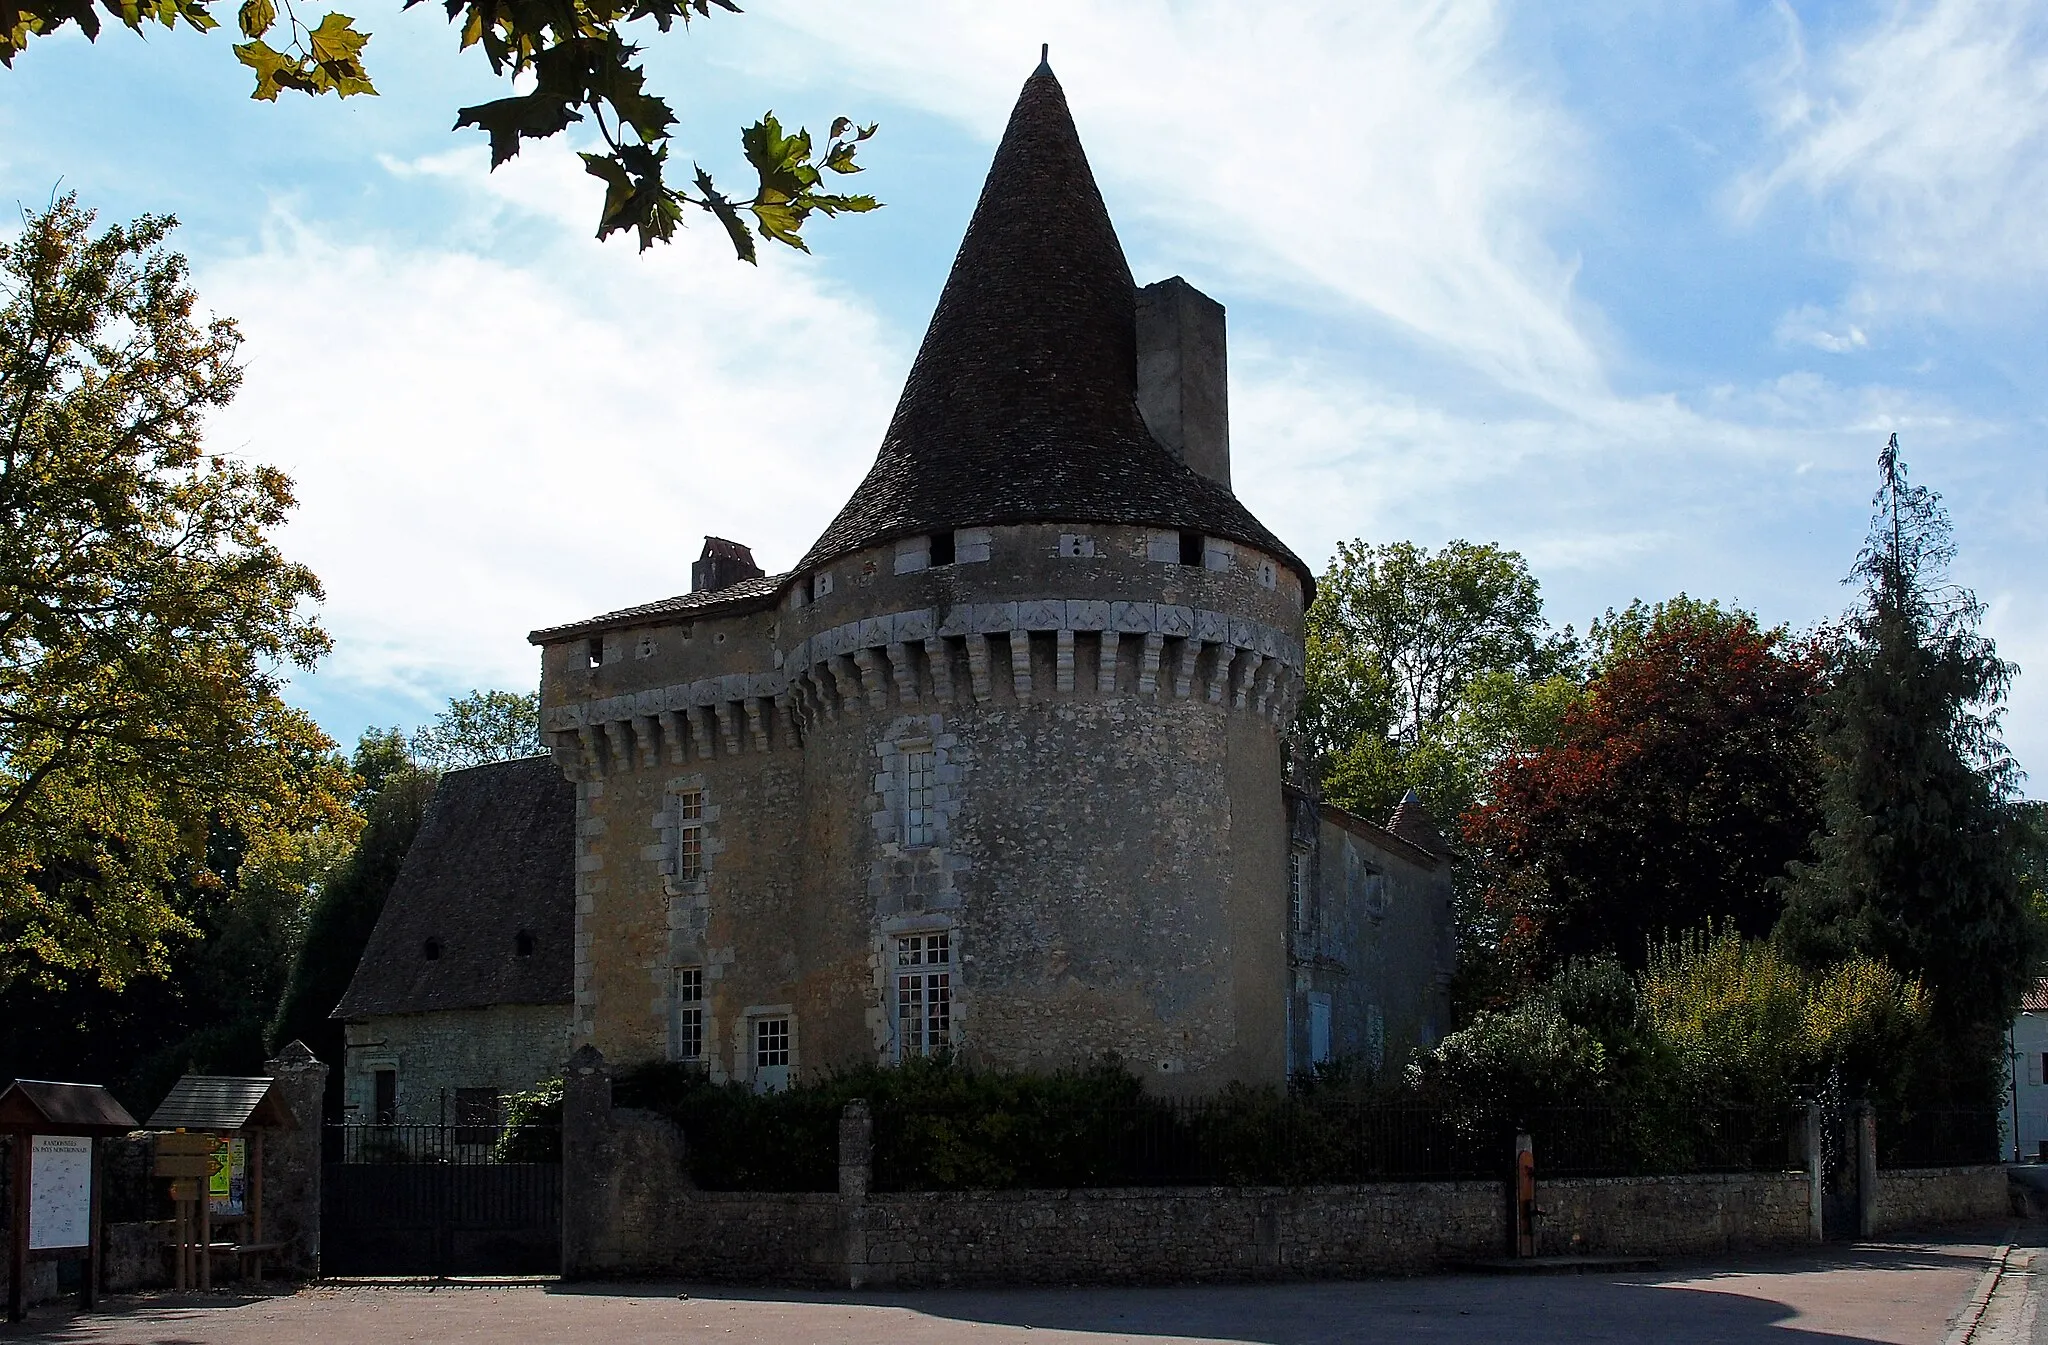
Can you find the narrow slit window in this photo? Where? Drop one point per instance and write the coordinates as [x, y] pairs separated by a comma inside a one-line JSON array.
[[924, 993], [920, 792], [690, 835], [690, 1013], [594, 651]]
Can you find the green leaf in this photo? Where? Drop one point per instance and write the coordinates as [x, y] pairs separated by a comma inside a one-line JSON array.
[[274, 70], [335, 41], [735, 227], [256, 17]]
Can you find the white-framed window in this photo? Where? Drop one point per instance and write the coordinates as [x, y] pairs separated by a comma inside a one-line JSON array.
[[689, 1042], [924, 993], [771, 1052], [920, 793], [689, 834], [1297, 890]]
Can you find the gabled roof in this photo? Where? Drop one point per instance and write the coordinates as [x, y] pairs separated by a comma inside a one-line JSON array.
[[494, 858], [1022, 404], [62, 1108], [222, 1102]]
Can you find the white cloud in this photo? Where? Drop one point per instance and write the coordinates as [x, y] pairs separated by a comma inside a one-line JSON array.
[[1925, 141], [1365, 155], [483, 447], [1811, 325]]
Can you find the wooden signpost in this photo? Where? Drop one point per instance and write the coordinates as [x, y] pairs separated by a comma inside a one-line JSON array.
[[55, 1129], [210, 1146]]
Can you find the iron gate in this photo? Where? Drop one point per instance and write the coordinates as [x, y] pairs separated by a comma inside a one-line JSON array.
[[441, 1200]]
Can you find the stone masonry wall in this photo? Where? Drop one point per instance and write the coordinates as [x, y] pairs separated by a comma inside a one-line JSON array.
[[508, 1047], [630, 1211], [1104, 840], [1923, 1197], [1695, 1214]]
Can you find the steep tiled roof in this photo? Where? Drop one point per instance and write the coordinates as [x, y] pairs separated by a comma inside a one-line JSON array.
[[743, 596], [219, 1102], [1022, 404], [494, 858], [2036, 998], [1412, 823]]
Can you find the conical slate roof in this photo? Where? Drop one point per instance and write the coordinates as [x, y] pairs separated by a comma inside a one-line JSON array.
[[1022, 404]]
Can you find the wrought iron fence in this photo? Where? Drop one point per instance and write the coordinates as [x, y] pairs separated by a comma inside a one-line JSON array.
[[453, 1145], [1935, 1137], [1607, 1141]]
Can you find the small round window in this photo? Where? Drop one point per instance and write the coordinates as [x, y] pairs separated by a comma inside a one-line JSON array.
[[431, 950]]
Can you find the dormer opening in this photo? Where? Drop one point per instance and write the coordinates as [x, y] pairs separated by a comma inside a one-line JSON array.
[[1191, 548], [941, 548], [594, 651]]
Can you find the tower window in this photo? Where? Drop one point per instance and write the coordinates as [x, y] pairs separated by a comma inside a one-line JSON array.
[[1191, 548], [522, 944], [942, 548], [920, 792], [689, 1043], [431, 950], [594, 651], [924, 993], [690, 835], [1297, 889]]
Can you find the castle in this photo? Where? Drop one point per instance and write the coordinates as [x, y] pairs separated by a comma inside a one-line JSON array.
[[998, 767]]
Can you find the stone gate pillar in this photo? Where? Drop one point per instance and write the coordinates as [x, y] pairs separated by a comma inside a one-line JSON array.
[[856, 1170], [587, 1160], [291, 1159]]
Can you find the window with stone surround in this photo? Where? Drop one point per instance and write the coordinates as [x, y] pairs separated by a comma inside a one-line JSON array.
[[689, 1038], [1297, 890], [920, 794], [924, 994], [772, 1051], [690, 834]]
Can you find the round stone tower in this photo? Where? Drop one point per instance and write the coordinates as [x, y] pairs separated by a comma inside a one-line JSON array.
[[996, 768]]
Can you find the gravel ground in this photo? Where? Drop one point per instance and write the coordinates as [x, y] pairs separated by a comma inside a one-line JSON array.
[[1909, 1293]]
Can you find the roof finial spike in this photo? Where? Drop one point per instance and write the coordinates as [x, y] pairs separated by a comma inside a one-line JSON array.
[[1044, 58]]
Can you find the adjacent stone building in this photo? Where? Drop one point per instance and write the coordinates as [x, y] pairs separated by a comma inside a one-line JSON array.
[[998, 767], [463, 991]]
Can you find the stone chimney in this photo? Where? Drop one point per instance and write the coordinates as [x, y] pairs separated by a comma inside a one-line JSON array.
[[722, 565], [1183, 389]]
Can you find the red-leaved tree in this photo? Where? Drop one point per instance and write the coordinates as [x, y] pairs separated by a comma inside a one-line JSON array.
[[1684, 783]]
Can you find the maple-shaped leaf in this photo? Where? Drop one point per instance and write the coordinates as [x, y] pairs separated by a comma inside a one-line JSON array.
[[335, 41], [274, 70], [256, 17]]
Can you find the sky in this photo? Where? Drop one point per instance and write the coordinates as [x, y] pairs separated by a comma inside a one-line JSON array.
[[1638, 289]]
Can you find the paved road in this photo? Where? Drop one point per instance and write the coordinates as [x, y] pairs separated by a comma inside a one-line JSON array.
[[1929, 1293]]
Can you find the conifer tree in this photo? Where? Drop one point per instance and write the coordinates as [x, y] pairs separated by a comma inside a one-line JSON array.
[[1918, 863]]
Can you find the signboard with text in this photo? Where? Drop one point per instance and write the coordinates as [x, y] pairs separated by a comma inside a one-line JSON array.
[[60, 1192]]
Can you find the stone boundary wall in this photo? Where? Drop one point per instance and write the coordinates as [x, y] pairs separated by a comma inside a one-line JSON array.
[[1923, 1197], [631, 1211]]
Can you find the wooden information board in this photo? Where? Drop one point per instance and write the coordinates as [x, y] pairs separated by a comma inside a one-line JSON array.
[[60, 1193]]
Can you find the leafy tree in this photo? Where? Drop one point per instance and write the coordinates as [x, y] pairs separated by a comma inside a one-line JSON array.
[[1682, 785], [1921, 863], [144, 612], [564, 61], [348, 902], [208, 1008], [481, 727]]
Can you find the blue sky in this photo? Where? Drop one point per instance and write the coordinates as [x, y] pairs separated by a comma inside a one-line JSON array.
[[1638, 289]]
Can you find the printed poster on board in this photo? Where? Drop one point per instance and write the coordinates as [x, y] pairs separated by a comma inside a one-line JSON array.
[[228, 1187], [59, 1192]]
